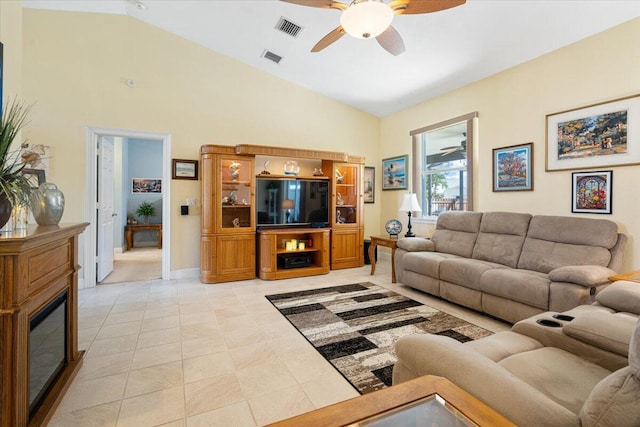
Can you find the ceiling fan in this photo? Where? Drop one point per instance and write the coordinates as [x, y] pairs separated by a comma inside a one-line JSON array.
[[365, 19], [454, 148]]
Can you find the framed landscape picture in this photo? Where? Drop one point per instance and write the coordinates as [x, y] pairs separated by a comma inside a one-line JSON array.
[[185, 169], [605, 134], [513, 168], [394, 173], [591, 192], [146, 185], [369, 184]]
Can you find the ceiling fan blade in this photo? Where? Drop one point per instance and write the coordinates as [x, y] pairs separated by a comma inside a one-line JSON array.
[[391, 41], [324, 4], [328, 39], [408, 7]]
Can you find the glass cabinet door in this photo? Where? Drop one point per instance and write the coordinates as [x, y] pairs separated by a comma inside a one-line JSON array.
[[347, 193], [235, 192]]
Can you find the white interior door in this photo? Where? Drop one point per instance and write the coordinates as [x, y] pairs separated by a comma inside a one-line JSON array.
[[104, 208]]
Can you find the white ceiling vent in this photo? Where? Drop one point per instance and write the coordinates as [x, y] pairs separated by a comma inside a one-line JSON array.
[[288, 27], [272, 56]]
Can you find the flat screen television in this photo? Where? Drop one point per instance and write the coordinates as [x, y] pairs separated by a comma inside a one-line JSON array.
[[292, 202]]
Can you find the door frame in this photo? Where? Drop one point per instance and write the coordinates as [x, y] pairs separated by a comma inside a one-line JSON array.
[[91, 176]]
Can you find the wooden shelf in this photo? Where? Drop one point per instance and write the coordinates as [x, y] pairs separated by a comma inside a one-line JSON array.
[[280, 176], [235, 206], [297, 251], [245, 183], [271, 251]]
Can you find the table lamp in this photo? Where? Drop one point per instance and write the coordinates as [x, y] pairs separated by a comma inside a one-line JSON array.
[[287, 204], [410, 204]]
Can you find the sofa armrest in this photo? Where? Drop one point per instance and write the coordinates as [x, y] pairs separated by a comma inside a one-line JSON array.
[[416, 244], [426, 354], [584, 275], [607, 331]]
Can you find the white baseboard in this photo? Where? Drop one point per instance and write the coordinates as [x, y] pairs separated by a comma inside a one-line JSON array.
[[185, 273]]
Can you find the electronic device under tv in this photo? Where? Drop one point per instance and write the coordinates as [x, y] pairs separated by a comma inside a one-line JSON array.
[[292, 202]]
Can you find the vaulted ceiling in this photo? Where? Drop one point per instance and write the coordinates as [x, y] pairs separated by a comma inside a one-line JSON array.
[[444, 50]]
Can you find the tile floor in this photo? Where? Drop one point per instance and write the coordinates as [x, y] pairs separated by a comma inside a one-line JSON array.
[[181, 353]]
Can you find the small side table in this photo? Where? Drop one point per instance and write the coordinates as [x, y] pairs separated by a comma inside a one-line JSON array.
[[132, 228], [633, 276], [387, 242]]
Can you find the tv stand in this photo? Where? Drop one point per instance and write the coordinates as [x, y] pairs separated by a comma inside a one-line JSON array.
[[276, 262]]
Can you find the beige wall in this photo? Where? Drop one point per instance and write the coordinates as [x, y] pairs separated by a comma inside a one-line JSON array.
[[11, 38], [76, 66], [512, 106]]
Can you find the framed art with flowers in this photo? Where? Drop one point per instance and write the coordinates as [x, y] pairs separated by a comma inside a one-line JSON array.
[[592, 192]]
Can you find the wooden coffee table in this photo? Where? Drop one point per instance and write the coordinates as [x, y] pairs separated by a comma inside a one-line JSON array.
[[398, 401]]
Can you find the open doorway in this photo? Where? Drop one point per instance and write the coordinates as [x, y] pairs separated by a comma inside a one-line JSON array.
[[126, 169]]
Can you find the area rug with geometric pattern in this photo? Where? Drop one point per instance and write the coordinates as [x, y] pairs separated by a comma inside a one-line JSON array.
[[355, 327]]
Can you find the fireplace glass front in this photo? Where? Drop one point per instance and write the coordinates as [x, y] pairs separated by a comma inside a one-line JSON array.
[[47, 349]]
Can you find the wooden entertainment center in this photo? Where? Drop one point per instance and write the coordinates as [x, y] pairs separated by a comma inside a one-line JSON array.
[[242, 237]]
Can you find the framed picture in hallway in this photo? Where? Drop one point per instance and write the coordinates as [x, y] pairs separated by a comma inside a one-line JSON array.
[[146, 185], [185, 169], [598, 135], [591, 192]]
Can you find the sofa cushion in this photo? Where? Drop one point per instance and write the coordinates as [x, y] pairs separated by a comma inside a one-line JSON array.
[[562, 376], [525, 286], [501, 237], [415, 244], [425, 263], [465, 272], [555, 241], [614, 400], [456, 232], [503, 344], [621, 296]]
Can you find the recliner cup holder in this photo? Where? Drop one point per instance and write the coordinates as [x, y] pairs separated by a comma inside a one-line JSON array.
[[564, 317], [549, 323]]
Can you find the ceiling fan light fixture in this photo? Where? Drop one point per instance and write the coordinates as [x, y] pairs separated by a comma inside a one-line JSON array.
[[366, 19]]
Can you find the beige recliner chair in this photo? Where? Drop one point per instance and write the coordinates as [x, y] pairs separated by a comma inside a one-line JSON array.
[[578, 368]]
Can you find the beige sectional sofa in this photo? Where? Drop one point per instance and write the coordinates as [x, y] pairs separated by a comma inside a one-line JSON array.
[[577, 368], [512, 265]]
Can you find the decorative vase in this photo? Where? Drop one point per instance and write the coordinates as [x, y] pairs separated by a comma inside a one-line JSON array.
[[48, 204], [5, 210]]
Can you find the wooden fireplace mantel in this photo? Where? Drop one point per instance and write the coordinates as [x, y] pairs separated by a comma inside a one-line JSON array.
[[36, 266]]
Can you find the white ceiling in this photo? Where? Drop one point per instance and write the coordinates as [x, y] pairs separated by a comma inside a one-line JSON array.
[[444, 50]]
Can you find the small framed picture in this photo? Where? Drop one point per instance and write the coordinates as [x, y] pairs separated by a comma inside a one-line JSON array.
[[146, 185], [513, 168], [185, 169], [36, 176], [394, 173], [369, 184], [592, 192]]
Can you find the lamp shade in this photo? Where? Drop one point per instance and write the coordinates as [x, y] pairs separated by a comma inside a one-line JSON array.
[[410, 203], [366, 19], [287, 204]]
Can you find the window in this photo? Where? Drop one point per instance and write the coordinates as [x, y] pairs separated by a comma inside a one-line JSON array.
[[443, 166]]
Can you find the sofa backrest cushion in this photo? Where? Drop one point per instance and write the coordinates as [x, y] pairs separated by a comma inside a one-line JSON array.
[[501, 237], [456, 232], [557, 241], [614, 400]]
